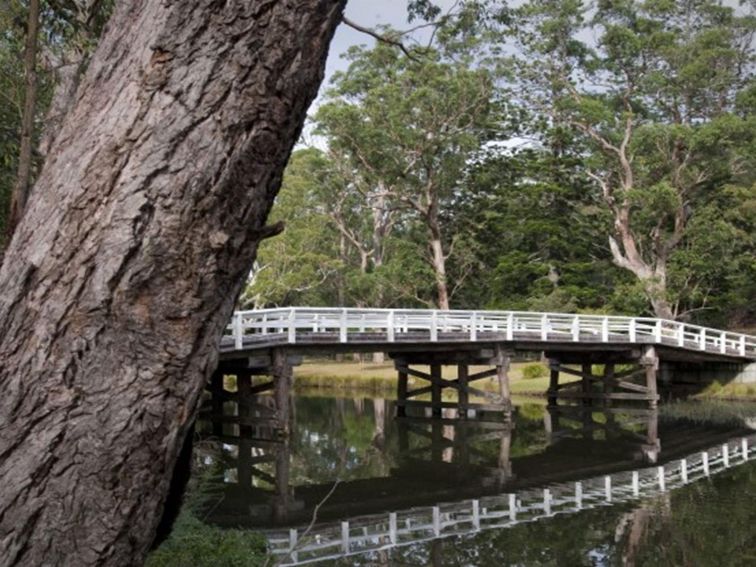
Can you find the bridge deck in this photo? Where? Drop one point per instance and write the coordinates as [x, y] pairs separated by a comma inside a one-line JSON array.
[[400, 329]]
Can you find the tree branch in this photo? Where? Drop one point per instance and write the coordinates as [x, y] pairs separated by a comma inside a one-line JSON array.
[[379, 37]]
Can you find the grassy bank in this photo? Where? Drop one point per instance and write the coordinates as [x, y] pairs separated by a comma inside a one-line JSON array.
[[718, 391], [526, 378]]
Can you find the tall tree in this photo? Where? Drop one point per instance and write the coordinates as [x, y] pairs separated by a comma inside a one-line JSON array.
[[124, 270], [655, 101], [20, 193], [410, 126]]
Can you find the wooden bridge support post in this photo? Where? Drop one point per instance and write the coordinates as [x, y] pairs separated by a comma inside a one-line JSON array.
[[281, 500], [436, 388], [650, 361], [401, 393], [216, 392], [243, 400], [282, 375], [553, 382], [608, 381], [502, 374], [244, 464], [587, 370], [463, 371]]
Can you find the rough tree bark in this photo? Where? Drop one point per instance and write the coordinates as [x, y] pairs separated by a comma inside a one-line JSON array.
[[20, 193], [124, 270]]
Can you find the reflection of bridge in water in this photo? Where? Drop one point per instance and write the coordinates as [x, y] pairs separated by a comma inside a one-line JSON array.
[[372, 534], [470, 465]]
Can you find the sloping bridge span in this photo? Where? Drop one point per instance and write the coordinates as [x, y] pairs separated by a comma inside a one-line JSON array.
[[383, 532], [337, 329]]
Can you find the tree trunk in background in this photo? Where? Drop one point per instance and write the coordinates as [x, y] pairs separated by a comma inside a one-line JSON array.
[[21, 188], [438, 261], [125, 268]]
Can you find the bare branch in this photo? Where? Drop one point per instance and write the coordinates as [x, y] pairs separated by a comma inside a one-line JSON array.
[[379, 37]]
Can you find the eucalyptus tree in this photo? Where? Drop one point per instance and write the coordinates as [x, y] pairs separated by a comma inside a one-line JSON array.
[[124, 270], [655, 99], [408, 127]]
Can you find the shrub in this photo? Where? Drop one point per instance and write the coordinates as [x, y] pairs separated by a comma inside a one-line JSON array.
[[532, 371]]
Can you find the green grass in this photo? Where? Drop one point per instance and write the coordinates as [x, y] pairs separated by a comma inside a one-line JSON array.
[[732, 391], [382, 377]]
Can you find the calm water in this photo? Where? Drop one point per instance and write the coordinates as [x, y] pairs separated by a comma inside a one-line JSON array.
[[353, 461]]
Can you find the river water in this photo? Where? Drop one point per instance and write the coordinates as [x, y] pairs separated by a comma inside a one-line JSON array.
[[352, 485]]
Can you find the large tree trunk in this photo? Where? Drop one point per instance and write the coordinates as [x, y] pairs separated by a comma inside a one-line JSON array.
[[125, 268]]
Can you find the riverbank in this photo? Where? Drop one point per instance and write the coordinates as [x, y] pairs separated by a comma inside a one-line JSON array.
[[525, 378]]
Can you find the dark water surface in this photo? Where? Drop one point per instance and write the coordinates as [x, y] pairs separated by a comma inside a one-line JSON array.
[[448, 483]]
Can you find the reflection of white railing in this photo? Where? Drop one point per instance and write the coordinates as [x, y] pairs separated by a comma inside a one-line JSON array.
[[419, 525], [335, 325]]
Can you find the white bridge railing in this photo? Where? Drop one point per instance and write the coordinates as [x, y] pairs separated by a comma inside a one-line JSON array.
[[348, 325], [372, 534]]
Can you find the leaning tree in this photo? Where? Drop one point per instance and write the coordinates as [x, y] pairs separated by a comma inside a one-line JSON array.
[[137, 237]]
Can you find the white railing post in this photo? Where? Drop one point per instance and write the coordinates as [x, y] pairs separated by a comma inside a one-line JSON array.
[[578, 495], [390, 326], [513, 507], [726, 455], [633, 330], [436, 521], [681, 334], [345, 537], [744, 448], [576, 328], [636, 483], [547, 501], [476, 514], [343, 326], [292, 326], [265, 324], [658, 331], [723, 342], [474, 326], [660, 475], [238, 331], [605, 330], [705, 461], [741, 346], [293, 536], [608, 488], [392, 528], [434, 326], [544, 327], [510, 326], [702, 339], [684, 470]]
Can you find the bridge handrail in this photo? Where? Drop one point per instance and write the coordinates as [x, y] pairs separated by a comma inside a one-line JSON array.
[[349, 323]]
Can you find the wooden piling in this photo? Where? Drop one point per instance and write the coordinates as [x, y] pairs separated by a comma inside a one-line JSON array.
[[553, 382], [651, 363], [282, 374], [463, 396], [401, 389], [502, 375], [436, 389]]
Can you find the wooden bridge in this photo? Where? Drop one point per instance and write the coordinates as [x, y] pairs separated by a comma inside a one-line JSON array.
[[269, 342], [375, 533]]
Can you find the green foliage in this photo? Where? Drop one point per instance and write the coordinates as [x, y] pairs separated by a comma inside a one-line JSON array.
[[196, 544], [532, 371]]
